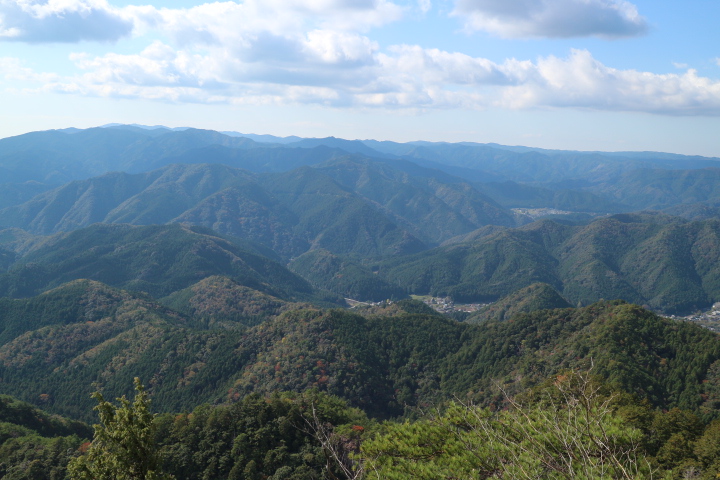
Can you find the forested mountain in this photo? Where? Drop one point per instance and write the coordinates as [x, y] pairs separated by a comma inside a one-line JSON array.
[[214, 265], [437, 206], [369, 200], [35, 444], [374, 209], [516, 195], [85, 333], [664, 262], [58, 156], [343, 276], [538, 296], [659, 189], [158, 260], [219, 301]]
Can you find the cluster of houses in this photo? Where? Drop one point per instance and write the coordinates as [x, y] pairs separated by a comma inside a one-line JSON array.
[[447, 305], [709, 319]]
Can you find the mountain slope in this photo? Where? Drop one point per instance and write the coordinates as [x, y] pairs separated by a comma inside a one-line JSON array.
[[664, 262], [333, 217], [288, 212], [538, 296], [86, 336], [659, 189], [219, 301], [56, 157], [155, 259], [437, 206], [343, 276]]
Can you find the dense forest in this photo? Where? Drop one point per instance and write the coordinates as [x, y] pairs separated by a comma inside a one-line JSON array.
[[184, 292]]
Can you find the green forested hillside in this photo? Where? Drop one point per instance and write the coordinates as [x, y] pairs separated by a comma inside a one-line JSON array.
[[350, 206], [154, 259], [437, 206], [35, 444], [538, 296], [334, 217], [664, 262], [659, 189], [487, 269], [85, 334], [343, 276], [220, 302]]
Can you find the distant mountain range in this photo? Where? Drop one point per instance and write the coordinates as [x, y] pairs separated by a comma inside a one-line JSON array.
[[358, 218], [220, 267]]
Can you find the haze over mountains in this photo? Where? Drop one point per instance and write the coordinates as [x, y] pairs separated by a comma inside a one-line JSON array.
[[217, 266], [379, 211]]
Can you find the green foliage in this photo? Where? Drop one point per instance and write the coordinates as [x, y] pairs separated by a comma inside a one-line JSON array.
[[257, 437], [123, 445], [343, 276], [572, 432], [653, 260], [35, 445], [220, 302], [538, 296], [158, 260], [386, 361]]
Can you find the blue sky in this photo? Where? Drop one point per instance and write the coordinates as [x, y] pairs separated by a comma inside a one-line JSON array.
[[571, 74]]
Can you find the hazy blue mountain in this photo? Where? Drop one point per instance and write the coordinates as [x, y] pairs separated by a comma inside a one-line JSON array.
[[659, 189], [56, 157], [350, 146], [399, 205], [264, 138], [695, 211], [17, 193], [515, 195], [262, 159], [436, 206]]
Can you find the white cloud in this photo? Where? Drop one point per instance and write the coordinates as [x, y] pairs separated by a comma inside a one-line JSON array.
[[316, 52], [330, 69], [45, 21], [287, 42], [336, 48], [580, 81], [157, 65], [37, 21], [225, 22], [552, 18]]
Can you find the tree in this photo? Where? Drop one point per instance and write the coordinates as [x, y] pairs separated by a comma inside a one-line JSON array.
[[122, 447], [569, 431]]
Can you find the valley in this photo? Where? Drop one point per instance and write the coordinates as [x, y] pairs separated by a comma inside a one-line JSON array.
[[250, 280]]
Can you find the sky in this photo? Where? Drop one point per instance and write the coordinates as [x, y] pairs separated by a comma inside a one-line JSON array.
[[608, 75]]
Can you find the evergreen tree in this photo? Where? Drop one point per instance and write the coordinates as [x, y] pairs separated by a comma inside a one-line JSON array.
[[122, 447]]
